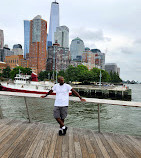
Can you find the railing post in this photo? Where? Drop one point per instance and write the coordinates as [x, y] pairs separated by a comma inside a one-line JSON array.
[[1, 114], [27, 110], [99, 118]]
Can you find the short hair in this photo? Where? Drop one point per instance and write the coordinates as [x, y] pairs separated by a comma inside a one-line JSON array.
[[59, 77]]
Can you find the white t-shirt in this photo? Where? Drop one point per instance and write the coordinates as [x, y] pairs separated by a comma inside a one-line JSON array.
[[62, 94]]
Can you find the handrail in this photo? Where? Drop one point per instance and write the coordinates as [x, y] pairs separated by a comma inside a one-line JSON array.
[[91, 100]]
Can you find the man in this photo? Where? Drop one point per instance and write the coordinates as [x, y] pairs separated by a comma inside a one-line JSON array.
[[62, 102]]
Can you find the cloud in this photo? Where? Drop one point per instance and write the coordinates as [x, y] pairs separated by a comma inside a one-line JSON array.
[[89, 34], [137, 41]]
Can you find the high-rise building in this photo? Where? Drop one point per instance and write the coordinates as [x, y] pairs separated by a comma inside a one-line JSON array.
[[111, 67], [5, 51], [1, 39], [54, 22], [99, 58], [26, 37], [58, 58], [17, 49], [88, 58], [76, 48], [37, 50], [62, 36]]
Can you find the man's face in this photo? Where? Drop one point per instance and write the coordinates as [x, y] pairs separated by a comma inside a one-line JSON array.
[[61, 80]]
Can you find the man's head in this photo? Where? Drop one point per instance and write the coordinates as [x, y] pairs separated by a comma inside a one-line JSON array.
[[61, 80]]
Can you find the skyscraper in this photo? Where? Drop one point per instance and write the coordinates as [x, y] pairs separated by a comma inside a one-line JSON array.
[[62, 36], [17, 49], [37, 50], [58, 58], [76, 48], [54, 22], [1, 39], [26, 37]]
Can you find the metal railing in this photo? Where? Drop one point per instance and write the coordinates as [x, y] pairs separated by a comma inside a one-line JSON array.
[[99, 102]]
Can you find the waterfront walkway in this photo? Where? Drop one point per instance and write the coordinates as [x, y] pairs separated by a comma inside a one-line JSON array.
[[20, 139]]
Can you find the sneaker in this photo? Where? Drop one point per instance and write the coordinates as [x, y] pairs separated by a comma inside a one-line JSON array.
[[65, 130], [60, 132]]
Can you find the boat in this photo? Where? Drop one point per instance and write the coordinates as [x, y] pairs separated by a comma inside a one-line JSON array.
[[28, 84]]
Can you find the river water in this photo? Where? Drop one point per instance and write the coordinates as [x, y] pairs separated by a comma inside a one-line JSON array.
[[115, 119]]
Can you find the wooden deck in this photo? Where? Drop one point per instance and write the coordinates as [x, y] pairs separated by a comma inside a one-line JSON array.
[[19, 139]]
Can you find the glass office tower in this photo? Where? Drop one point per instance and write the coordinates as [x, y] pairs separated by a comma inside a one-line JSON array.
[[54, 22], [26, 37]]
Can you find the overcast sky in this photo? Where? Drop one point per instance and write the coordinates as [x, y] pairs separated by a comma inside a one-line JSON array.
[[113, 26]]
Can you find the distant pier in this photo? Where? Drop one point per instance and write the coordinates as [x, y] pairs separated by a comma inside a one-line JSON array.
[[117, 93]]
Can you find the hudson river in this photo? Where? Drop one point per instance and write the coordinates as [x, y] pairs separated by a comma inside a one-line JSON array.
[[115, 119]]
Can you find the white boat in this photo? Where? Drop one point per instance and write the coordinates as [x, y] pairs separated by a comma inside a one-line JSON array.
[[27, 84]]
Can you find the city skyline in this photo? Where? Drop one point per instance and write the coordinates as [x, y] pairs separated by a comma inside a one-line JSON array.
[[112, 27]]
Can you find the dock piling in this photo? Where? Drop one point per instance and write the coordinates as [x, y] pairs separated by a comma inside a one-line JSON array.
[[99, 118], [27, 110], [1, 114]]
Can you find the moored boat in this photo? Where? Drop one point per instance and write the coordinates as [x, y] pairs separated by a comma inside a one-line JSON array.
[[27, 84]]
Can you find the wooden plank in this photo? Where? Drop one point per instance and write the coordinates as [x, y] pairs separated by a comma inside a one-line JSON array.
[[9, 134], [4, 121], [6, 144], [40, 144], [52, 145], [94, 144], [21, 146], [83, 146], [135, 141], [32, 142], [65, 145], [6, 131], [130, 146], [115, 147], [122, 145], [71, 143], [3, 124], [17, 141], [58, 147], [101, 146], [47, 142], [89, 145], [107, 146], [78, 153]]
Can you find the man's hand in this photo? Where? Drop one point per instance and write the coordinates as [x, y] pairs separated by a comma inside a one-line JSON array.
[[43, 96], [83, 100]]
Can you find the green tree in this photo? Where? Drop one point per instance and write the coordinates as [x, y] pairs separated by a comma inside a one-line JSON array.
[[6, 72], [16, 70], [71, 74], [61, 73], [44, 75], [114, 77], [105, 76], [95, 74]]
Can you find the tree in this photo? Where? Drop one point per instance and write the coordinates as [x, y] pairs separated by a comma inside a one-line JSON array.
[[71, 74], [114, 77], [95, 74], [25, 71], [6, 72]]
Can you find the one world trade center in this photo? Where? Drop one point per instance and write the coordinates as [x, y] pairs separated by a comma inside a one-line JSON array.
[[54, 22]]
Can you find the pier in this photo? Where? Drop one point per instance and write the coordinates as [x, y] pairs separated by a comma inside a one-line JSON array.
[[21, 139], [116, 93]]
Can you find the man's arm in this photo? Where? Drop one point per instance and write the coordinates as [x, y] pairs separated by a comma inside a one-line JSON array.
[[47, 93], [77, 94]]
